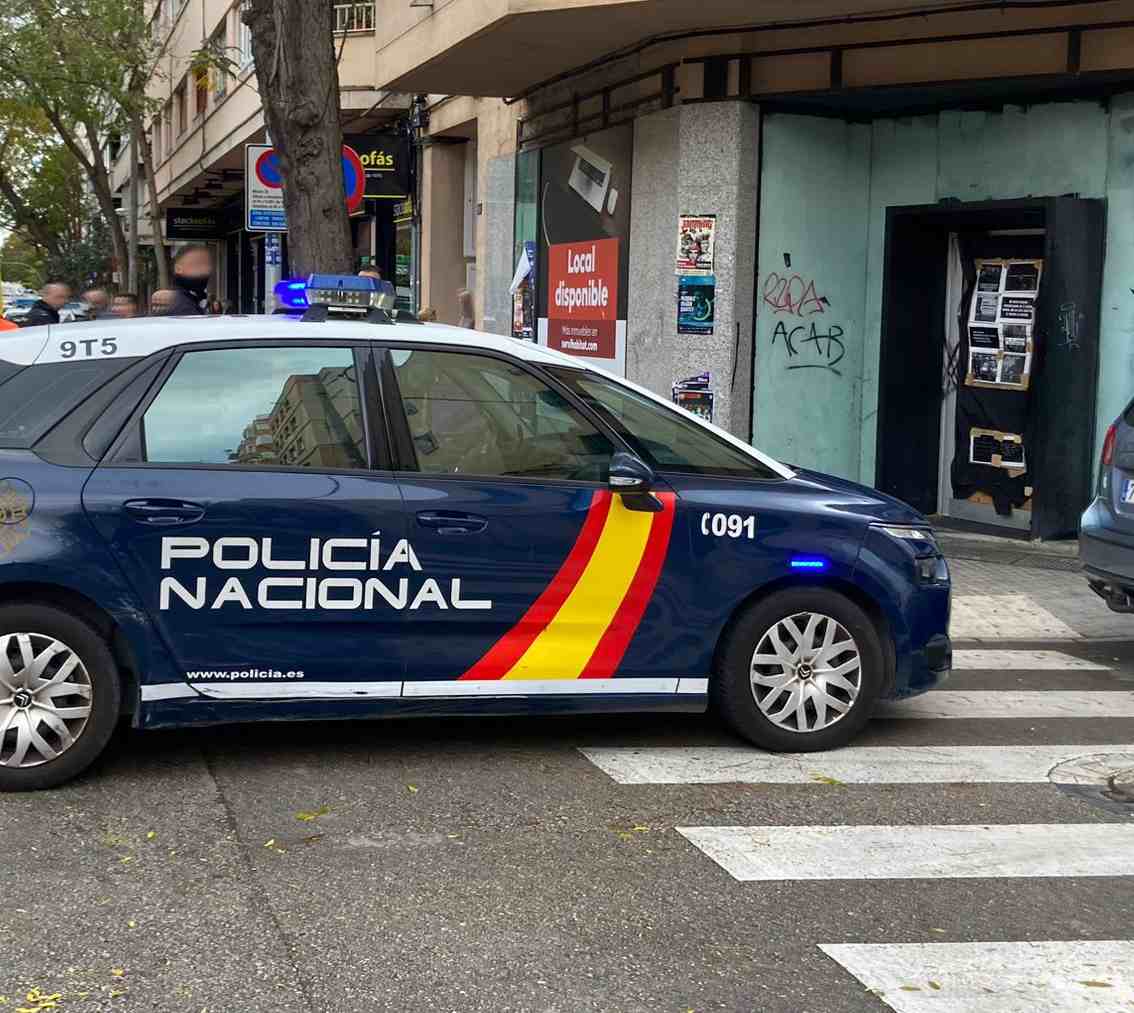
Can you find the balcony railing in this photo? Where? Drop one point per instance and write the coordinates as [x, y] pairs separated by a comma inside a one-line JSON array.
[[354, 17]]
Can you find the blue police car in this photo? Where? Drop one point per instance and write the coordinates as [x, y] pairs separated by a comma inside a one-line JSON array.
[[214, 520]]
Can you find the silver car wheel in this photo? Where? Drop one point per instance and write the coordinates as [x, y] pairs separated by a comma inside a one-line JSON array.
[[806, 672], [45, 699]]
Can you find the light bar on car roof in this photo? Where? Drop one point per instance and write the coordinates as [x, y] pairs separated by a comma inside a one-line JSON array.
[[344, 292]]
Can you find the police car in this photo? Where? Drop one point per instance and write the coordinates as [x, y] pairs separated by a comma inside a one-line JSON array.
[[246, 518]]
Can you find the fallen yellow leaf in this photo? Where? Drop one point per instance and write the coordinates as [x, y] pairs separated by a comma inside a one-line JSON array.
[[412, 788], [118, 972]]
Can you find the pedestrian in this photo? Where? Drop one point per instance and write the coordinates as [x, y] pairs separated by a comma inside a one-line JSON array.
[[45, 310], [162, 302], [98, 303], [7, 325], [125, 306], [464, 298], [216, 307], [192, 269]]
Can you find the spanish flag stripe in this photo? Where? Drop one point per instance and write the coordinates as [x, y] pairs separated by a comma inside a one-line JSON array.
[[564, 647], [611, 648], [511, 647]]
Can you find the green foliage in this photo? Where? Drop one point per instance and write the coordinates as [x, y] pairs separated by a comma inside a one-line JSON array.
[[21, 261]]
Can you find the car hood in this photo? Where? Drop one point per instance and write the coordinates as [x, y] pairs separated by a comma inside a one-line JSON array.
[[854, 500]]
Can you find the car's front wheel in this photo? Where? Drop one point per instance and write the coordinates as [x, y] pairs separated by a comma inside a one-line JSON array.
[[59, 697], [800, 671]]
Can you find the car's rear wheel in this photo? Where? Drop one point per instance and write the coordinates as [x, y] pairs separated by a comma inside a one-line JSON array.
[[59, 697], [800, 671]]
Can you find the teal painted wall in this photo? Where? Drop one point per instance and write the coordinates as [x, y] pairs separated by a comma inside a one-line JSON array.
[[811, 291], [1038, 151]]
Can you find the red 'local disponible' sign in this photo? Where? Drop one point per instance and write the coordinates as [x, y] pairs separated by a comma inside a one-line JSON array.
[[582, 298]]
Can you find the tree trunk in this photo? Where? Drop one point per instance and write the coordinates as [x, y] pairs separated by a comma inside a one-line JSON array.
[[161, 254], [298, 78], [104, 195]]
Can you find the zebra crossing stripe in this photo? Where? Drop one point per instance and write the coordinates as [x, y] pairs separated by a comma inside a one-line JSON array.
[[767, 854], [994, 977], [1012, 704], [853, 765], [1005, 617], [1023, 661]]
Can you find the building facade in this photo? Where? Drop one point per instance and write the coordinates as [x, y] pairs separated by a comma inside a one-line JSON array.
[[209, 111], [899, 242]]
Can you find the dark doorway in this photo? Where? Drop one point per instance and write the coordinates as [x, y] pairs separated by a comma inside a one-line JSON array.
[[948, 408]]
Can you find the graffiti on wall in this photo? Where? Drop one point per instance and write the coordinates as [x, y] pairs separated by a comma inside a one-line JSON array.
[[793, 298]]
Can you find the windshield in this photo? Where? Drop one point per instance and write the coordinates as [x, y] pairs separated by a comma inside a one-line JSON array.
[[662, 437]]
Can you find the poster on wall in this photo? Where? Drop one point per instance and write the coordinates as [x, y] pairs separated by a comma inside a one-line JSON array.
[[1002, 316], [695, 395], [696, 235], [695, 302], [997, 449], [582, 264]]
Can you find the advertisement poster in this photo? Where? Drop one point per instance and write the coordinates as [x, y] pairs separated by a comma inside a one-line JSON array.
[[581, 269], [582, 300], [696, 295], [695, 395], [1001, 324], [696, 235], [1000, 450]]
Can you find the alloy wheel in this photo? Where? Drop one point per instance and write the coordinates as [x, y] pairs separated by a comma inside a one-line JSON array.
[[45, 699], [806, 672]]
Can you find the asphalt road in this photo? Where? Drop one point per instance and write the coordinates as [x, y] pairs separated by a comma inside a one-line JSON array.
[[491, 865]]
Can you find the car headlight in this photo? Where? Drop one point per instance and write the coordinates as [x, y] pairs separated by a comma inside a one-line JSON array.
[[909, 534]]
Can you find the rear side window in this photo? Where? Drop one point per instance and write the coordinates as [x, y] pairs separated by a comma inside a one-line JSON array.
[[35, 398], [293, 407]]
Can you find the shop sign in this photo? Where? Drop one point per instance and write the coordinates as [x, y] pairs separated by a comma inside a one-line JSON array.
[[386, 158], [191, 223], [582, 301], [403, 211]]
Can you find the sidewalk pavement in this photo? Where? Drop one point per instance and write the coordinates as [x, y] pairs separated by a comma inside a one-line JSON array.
[[1005, 589]]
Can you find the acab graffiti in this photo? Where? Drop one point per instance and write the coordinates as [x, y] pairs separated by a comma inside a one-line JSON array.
[[810, 345]]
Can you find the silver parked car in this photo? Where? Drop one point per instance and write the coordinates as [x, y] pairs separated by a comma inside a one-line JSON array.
[[1106, 532]]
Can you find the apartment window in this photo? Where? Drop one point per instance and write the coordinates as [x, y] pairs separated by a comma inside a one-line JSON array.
[[218, 46], [155, 133], [354, 17], [167, 129], [244, 37], [181, 104], [200, 92]]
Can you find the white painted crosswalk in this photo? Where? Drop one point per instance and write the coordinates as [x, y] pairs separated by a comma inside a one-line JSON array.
[[1015, 661], [852, 765], [1008, 975], [918, 852], [1013, 704], [995, 977], [988, 616]]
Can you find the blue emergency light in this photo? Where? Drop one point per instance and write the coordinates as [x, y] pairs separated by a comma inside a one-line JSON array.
[[292, 294], [809, 564]]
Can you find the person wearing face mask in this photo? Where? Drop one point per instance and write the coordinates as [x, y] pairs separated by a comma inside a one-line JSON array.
[[192, 269]]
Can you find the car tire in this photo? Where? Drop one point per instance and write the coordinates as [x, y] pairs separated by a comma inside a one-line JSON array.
[[55, 711], [763, 663]]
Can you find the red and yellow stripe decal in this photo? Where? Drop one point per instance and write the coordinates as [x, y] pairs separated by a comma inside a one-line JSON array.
[[582, 623]]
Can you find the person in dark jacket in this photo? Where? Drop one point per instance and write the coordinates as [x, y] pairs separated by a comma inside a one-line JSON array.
[[98, 303], [192, 269], [45, 310]]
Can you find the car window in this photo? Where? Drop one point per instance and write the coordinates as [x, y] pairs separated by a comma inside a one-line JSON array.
[[662, 436], [34, 398], [292, 407], [475, 415]]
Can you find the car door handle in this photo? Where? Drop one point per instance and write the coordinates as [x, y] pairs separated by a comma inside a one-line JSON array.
[[451, 522], [163, 512]]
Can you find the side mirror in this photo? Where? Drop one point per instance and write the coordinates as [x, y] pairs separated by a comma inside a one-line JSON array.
[[630, 474]]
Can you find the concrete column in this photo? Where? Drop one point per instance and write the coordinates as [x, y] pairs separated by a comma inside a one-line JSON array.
[[495, 237], [695, 159], [442, 218]]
